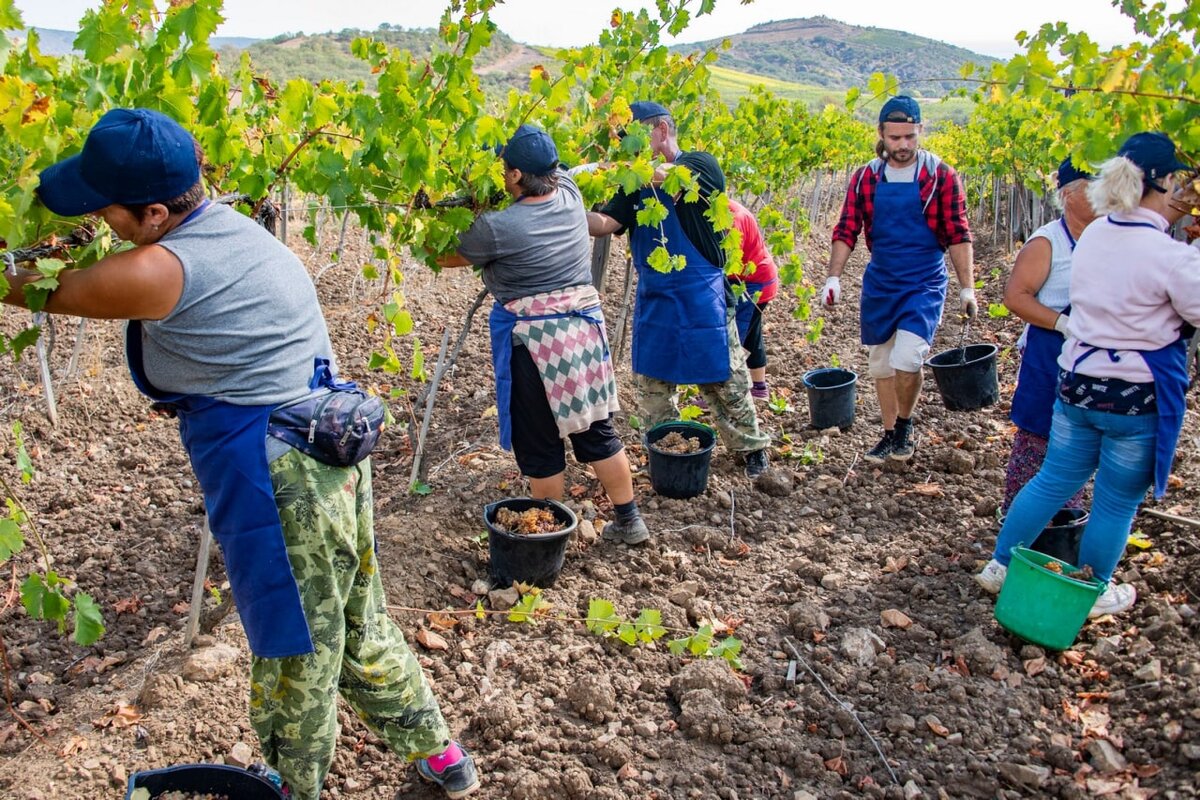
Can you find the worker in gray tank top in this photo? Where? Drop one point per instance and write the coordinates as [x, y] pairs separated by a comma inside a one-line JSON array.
[[224, 327]]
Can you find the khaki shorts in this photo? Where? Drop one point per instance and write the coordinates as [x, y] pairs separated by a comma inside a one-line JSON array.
[[905, 352]]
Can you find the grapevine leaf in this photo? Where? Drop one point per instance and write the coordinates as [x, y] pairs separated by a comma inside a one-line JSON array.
[[11, 540], [89, 623]]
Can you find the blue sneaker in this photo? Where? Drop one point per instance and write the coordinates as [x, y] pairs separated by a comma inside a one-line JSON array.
[[458, 780]]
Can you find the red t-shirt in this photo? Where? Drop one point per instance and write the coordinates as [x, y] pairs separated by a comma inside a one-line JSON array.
[[754, 252]]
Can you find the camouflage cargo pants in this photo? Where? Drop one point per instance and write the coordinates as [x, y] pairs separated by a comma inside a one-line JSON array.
[[730, 401], [329, 529]]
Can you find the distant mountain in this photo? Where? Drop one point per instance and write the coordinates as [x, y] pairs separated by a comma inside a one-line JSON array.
[[824, 52]]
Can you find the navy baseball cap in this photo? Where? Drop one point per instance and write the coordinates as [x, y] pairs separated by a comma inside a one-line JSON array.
[[900, 108], [648, 109], [131, 156], [1154, 153], [531, 150], [1069, 173]]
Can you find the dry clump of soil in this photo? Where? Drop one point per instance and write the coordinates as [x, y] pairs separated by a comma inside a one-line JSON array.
[[528, 522], [677, 444]]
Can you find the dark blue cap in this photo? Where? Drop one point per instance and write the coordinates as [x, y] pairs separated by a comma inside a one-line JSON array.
[[648, 109], [1154, 153], [132, 156], [900, 108], [531, 150], [1069, 173]]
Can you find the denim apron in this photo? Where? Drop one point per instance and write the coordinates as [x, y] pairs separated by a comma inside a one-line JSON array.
[[1037, 379], [679, 324], [501, 324], [904, 286], [1168, 367], [226, 444]]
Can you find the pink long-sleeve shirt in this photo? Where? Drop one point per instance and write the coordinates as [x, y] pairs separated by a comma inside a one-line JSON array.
[[1132, 287]]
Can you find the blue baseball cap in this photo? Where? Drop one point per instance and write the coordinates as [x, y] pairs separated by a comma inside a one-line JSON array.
[[1154, 153], [131, 156], [530, 150], [1069, 173], [648, 109], [900, 108]]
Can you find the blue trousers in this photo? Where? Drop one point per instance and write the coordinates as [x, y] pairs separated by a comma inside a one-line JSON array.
[[1119, 450]]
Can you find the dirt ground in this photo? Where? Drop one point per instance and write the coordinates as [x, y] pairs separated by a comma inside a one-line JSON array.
[[854, 582]]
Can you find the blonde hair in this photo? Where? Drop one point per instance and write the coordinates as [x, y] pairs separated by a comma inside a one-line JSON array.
[[1120, 186]]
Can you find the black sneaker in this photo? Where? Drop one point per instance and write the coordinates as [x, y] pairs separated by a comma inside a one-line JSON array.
[[879, 453], [756, 463], [458, 780], [903, 444]]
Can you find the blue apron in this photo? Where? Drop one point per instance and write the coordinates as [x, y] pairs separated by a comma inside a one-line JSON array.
[[501, 323], [679, 322], [1168, 366], [904, 286], [227, 447], [747, 306]]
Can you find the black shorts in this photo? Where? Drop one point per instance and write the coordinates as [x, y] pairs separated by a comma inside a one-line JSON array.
[[535, 441], [756, 358]]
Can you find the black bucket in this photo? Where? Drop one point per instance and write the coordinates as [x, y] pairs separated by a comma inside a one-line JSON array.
[[1062, 536], [831, 392], [536, 559], [680, 475], [204, 779], [970, 382]]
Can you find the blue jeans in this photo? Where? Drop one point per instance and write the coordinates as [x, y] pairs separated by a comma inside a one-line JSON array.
[[1119, 450]]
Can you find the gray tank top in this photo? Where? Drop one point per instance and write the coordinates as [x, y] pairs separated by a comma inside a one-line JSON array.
[[247, 326]]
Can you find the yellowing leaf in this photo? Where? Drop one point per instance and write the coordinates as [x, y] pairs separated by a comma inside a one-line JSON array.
[[1140, 541]]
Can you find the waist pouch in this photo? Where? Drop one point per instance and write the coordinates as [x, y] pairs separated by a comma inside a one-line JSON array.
[[1111, 395], [338, 427]]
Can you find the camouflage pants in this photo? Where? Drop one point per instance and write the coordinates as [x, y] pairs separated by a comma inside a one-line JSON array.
[[730, 401], [329, 529]]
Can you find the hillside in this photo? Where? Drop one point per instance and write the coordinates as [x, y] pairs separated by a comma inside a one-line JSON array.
[[504, 64], [824, 52]]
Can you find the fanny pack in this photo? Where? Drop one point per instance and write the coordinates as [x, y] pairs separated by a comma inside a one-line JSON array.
[[337, 423]]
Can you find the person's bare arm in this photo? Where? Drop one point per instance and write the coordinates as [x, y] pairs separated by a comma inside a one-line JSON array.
[[1029, 274], [454, 259], [600, 224], [838, 257], [143, 283], [962, 256]]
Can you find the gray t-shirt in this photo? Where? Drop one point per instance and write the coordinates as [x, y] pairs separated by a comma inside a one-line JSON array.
[[247, 326], [901, 174], [532, 247]]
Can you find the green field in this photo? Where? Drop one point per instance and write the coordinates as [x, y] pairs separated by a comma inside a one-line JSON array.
[[733, 84]]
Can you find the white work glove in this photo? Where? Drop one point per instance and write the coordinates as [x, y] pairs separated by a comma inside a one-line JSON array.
[[589, 167], [832, 293], [1060, 324], [966, 302]]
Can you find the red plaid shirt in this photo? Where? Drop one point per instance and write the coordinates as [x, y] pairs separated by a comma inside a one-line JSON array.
[[941, 195]]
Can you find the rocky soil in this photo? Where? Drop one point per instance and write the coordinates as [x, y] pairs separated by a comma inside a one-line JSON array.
[[872, 663]]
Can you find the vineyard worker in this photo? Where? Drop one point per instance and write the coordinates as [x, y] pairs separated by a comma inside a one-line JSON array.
[[297, 534], [1134, 291], [761, 283], [1038, 292], [684, 325], [554, 374], [910, 206]]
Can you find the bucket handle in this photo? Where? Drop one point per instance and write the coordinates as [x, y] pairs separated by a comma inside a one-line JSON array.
[[962, 339]]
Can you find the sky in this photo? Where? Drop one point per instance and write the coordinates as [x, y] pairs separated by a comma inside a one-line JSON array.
[[984, 27]]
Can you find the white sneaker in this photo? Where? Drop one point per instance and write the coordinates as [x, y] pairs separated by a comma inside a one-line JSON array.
[[992, 576], [1116, 598]]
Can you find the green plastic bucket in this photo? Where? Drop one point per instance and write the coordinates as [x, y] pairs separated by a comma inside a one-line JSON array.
[[1041, 606]]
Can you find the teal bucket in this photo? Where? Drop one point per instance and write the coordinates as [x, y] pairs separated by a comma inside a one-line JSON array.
[[1041, 606]]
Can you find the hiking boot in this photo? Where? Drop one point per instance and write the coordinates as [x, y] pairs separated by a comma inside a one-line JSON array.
[[633, 531], [458, 779], [756, 463], [760, 391], [903, 443], [992, 576], [879, 453], [1116, 598]]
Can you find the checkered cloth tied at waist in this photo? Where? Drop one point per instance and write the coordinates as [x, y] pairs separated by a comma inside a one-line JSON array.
[[570, 348]]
